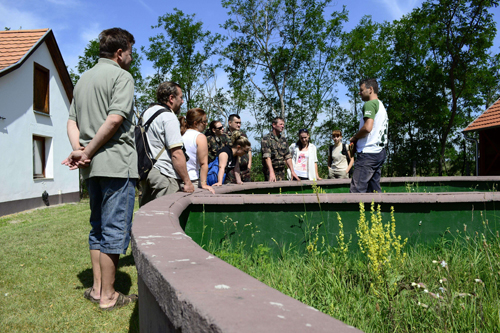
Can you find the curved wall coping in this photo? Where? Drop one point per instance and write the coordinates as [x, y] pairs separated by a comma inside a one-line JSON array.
[[195, 291]]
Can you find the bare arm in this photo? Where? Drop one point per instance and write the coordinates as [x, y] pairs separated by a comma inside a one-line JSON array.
[[237, 173], [73, 134], [223, 157], [105, 132], [82, 157], [179, 163], [316, 168], [272, 176], [292, 171], [364, 130], [351, 162], [202, 154], [249, 160]]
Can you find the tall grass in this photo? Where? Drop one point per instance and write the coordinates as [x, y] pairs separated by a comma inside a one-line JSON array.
[[449, 286]]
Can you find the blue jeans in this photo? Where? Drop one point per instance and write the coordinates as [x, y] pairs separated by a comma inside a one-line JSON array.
[[111, 210], [367, 171]]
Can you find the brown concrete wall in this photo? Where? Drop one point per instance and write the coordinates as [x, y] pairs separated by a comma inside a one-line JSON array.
[[184, 288]]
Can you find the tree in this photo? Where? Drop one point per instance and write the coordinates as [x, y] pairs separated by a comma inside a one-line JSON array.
[[458, 34], [435, 72], [182, 54], [365, 54], [286, 51]]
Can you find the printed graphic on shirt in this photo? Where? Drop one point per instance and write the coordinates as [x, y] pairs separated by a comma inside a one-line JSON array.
[[301, 162]]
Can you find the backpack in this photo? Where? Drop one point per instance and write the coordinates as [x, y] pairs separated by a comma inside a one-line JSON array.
[[344, 152], [145, 161], [213, 172]]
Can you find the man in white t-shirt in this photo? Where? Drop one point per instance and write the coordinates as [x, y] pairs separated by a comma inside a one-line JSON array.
[[370, 141], [170, 168]]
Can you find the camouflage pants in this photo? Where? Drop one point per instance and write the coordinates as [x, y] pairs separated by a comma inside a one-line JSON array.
[[245, 177]]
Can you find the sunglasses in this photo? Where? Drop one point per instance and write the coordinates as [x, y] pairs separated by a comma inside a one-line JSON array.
[[219, 128], [304, 130], [336, 136]]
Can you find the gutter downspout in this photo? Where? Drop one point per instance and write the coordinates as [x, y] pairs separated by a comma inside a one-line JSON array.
[[477, 151]]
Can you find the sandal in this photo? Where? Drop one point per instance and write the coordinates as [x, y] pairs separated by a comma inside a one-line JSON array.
[[121, 301], [86, 294]]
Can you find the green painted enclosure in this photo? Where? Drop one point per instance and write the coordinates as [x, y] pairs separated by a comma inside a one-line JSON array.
[[390, 187], [289, 225]]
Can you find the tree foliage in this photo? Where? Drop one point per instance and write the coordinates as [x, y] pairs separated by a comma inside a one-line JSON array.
[[286, 57], [182, 53], [285, 50], [436, 74]]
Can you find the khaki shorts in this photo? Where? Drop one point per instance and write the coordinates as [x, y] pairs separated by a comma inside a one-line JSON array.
[[337, 174]]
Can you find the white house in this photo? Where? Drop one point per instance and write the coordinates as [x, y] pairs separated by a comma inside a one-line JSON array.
[[35, 96]]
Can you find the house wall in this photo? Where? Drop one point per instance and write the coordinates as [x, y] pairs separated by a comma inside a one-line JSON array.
[[18, 189]]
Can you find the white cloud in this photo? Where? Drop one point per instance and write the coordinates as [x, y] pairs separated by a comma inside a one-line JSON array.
[[91, 31], [15, 19], [398, 8], [66, 3], [145, 5]]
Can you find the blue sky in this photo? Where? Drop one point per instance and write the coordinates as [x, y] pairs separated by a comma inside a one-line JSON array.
[[75, 22]]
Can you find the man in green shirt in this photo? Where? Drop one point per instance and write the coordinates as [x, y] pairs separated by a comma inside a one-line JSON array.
[[101, 133], [370, 141]]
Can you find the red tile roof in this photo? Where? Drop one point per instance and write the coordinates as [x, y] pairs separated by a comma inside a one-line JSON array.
[[15, 44], [490, 118]]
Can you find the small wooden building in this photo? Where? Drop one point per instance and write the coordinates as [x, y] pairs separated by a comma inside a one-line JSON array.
[[488, 127]]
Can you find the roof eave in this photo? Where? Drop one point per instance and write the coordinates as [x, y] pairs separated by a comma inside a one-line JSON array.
[[472, 130], [56, 56], [479, 129], [18, 64]]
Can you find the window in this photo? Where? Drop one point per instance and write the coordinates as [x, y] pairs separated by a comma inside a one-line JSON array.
[[38, 157], [41, 79]]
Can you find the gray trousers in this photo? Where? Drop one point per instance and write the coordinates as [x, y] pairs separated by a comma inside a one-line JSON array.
[[367, 172]]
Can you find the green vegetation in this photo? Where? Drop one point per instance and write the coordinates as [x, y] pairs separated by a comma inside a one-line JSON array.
[[45, 268], [436, 67], [449, 285]]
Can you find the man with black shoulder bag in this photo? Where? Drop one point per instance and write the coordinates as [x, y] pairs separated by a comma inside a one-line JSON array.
[[169, 171]]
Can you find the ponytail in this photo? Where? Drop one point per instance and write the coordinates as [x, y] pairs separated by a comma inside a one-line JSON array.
[[183, 122], [237, 139]]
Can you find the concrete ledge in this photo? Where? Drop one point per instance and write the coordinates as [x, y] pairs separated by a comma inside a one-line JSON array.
[[183, 288]]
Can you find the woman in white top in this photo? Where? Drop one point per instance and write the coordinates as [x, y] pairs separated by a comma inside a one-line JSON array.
[[304, 158], [196, 146]]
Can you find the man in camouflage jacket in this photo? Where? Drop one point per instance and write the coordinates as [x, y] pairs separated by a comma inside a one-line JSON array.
[[234, 124], [275, 153], [215, 143]]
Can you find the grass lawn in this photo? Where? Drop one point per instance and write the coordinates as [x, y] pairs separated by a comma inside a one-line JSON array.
[[45, 268]]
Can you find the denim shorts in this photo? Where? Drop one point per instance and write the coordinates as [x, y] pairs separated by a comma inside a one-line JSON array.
[[111, 210]]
